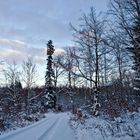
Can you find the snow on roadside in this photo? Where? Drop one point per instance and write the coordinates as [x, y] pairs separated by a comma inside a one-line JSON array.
[[21, 122], [88, 127], [94, 128], [54, 126]]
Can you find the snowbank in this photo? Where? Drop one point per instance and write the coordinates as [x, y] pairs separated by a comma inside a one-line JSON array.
[[94, 128]]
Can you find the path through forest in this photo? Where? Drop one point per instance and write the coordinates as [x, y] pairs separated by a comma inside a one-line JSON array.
[[53, 127]]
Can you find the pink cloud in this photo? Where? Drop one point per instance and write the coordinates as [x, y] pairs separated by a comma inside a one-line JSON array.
[[18, 51]]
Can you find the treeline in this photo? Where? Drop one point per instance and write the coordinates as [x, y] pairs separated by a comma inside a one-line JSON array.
[[101, 72], [106, 53]]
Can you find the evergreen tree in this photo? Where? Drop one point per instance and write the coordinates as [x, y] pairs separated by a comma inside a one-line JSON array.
[[49, 78], [127, 17], [135, 50]]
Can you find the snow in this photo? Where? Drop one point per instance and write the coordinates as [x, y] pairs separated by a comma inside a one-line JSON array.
[[54, 126], [95, 128], [64, 126], [135, 88]]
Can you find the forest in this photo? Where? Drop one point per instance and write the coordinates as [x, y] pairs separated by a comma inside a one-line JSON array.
[[99, 75]]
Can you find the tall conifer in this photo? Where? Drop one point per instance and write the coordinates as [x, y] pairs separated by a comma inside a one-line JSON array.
[[49, 78]]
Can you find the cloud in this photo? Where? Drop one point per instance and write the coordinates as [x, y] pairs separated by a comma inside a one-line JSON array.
[[26, 25], [59, 51], [34, 21], [18, 50], [39, 59], [14, 44]]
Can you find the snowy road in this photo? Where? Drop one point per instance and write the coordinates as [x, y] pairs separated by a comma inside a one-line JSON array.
[[54, 127]]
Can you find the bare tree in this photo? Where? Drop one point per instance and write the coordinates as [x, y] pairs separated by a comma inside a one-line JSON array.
[[29, 73], [68, 65], [12, 97], [58, 70], [12, 74], [2, 67], [90, 37], [127, 17], [119, 55], [29, 77]]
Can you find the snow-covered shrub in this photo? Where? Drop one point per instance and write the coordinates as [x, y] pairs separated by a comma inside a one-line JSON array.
[[124, 127]]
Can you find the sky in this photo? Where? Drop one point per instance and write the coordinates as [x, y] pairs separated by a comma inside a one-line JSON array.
[[27, 25]]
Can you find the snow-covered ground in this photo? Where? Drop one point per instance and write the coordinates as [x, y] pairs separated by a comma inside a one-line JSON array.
[[63, 126], [53, 127], [126, 127]]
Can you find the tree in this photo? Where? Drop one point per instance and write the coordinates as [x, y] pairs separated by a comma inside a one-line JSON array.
[[68, 64], [90, 37], [12, 74], [135, 50], [119, 55], [1, 71], [29, 73], [58, 71], [127, 17], [12, 98], [12, 78], [29, 78], [49, 78]]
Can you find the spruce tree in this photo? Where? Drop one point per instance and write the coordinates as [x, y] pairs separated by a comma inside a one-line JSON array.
[[135, 50], [49, 78]]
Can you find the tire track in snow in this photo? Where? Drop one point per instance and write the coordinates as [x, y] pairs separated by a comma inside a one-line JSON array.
[[55, 127], [48, 132], [22, 130], [60, 130]]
